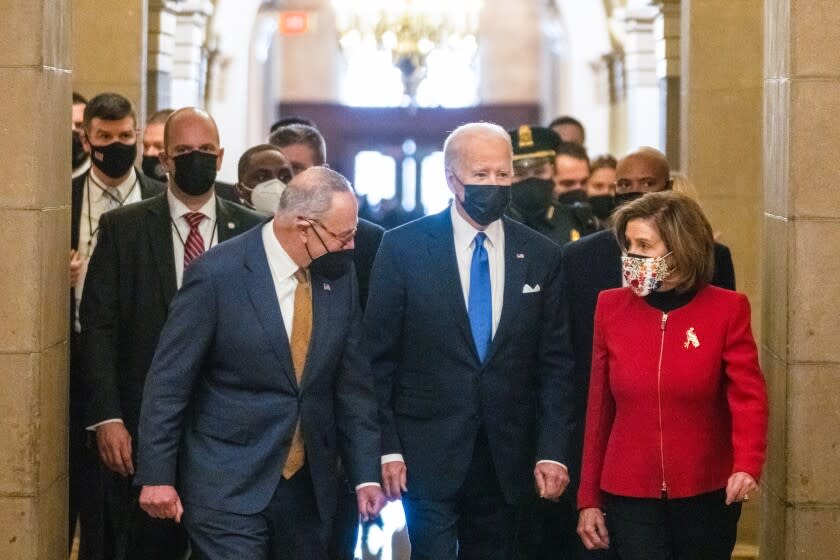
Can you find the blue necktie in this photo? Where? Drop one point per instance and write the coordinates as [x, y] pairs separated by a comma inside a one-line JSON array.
[[480, 306]]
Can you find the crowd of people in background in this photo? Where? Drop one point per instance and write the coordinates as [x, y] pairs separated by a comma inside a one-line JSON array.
[[555, 366]]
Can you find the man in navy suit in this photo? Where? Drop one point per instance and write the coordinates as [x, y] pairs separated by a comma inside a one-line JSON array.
[[259, 375], [469, 348]]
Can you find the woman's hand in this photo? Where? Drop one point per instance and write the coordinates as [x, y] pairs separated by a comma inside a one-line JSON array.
[[738, 487], [592, 529]]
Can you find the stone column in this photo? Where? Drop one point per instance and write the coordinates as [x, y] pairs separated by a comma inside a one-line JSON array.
[[35, 226], [721, 124], [190, 63], [801, 500], [642, 84], [667, 37], [109, 49], [160, 54]]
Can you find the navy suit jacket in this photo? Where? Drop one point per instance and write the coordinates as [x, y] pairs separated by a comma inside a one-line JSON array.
[[221, 401], [590, 266], [434, 393]]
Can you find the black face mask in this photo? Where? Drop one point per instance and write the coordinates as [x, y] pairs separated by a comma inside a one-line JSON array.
[[572, 197], [532, 195], [486, 203], [79, 155], [114, 159], [195, 172], [153, 168], [331, 265], [602, 205], [624, 198]]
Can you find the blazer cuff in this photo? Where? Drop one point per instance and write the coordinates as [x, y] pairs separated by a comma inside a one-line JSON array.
[[553, 463]]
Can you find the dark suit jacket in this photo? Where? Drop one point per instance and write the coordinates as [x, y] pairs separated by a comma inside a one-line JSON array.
[[434, 394], [227, 191], [591, 265], [221, 399], [130, 282]]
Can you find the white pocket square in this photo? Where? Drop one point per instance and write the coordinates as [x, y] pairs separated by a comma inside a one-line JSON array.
[[526, 289]]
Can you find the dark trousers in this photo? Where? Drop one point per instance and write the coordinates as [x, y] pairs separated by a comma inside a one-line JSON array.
[[698, 528], [345, 525], [288, 529], [120, 530], [476, 524], [547, 530]]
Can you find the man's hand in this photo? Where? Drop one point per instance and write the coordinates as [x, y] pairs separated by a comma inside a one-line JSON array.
[[551, 480], [738, 487], [75, 268], [370, 501], [114, 445], [394, 479], [592, 529], [162, 502]]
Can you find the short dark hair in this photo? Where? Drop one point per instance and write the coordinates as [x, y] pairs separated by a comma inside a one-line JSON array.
[[605, 161], [159, 117], [572, 150], [108, 107], [301, 134], [79, 99], [294, 119], [683, 228], [566, 119], [246, 156]]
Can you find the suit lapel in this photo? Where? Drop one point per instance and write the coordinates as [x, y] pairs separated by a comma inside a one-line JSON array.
[[322, 301], [442, 256], [160, 241], [264, 300], [516, 266]]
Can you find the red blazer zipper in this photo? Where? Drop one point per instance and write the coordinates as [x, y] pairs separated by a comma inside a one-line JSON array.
[[664, 487]]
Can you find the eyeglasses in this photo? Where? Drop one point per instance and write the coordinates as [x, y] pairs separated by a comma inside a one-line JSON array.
[[344, 240]]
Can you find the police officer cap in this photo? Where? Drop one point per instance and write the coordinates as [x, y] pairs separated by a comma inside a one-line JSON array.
[[533, 143]]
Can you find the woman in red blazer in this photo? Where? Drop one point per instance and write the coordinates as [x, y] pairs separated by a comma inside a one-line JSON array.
[[677, 413]]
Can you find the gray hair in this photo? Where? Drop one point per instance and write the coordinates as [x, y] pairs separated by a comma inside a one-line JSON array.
[[452, 145], [311, 192], [301, 134]]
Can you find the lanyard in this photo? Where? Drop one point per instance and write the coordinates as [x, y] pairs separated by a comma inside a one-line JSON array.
[[120, 202], [184, 241]]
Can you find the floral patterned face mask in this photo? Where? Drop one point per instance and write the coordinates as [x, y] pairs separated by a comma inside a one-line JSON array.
[[644, 274]]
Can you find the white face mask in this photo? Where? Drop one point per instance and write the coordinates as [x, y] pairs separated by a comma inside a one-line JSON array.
[[265, 197]]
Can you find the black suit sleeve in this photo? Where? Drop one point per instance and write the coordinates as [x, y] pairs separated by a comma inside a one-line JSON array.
[[99, 317], [383, 327], [184, 342], [557, 413], [356, 408], [724, 276]]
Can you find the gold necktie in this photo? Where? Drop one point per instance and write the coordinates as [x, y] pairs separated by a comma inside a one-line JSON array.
[[301, 334]]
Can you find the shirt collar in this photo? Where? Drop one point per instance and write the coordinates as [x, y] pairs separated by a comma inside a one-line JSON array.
[[465, 233], [122, 190], [177, 209], [280, 260]]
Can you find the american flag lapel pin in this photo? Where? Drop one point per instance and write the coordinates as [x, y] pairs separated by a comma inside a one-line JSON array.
[[327, 287]]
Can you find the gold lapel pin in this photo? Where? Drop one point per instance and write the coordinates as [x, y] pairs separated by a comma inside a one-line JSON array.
[[691, 338]]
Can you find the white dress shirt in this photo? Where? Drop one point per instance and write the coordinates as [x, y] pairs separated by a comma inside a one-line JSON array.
[[208, 228], [464, 234], [98, 198]]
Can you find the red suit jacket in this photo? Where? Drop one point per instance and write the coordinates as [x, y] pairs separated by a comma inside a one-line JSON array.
[[677, 401]]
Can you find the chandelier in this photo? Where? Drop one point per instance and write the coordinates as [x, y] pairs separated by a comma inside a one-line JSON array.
[[409, 30]]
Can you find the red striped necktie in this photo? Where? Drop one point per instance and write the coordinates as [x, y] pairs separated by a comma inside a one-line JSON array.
[[194, 245]]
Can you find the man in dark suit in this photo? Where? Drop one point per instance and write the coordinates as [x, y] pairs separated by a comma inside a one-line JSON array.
[[135, 271], [593, 264], [108, 134], [259, 374], [470, 353]]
